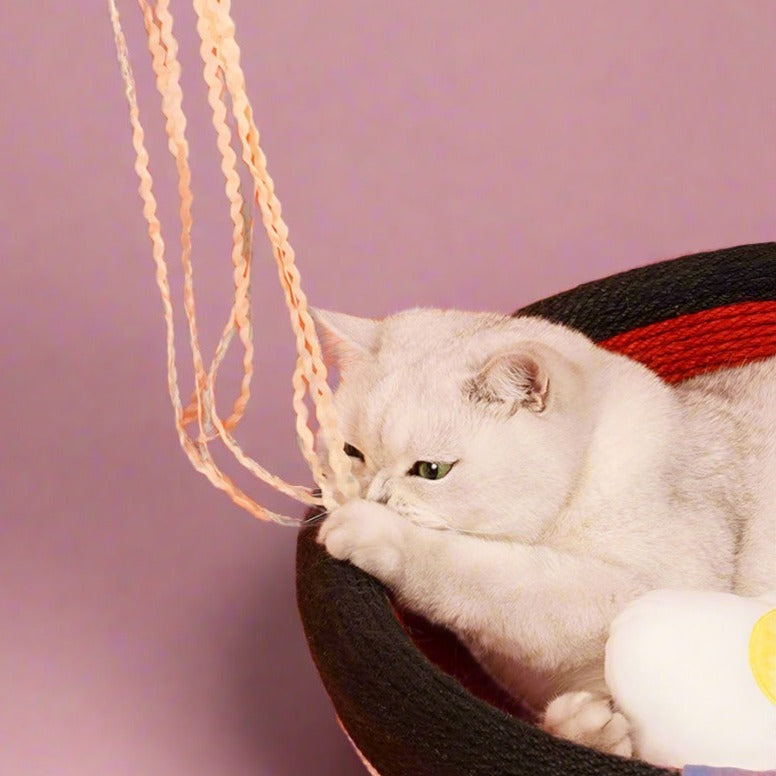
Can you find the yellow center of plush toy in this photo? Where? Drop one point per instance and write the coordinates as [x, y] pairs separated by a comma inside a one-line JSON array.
[[762, 654]]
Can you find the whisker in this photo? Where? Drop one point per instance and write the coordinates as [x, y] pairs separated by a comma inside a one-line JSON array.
[[495, 534], [424, 518], [318, 517]]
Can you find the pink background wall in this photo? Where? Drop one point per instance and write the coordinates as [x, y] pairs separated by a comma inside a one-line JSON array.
[[479, 155]]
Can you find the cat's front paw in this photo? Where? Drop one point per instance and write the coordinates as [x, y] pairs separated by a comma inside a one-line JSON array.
[[369, 535], [589, 719]]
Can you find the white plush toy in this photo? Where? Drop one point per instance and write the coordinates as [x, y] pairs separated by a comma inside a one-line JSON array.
[[695, 672]]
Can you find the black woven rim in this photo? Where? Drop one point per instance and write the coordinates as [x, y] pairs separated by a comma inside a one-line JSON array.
[[406, 716]]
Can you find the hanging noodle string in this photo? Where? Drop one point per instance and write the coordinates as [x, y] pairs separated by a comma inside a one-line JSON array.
[[226, 95]]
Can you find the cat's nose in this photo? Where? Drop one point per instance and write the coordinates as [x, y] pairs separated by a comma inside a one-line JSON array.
[[377, 490]]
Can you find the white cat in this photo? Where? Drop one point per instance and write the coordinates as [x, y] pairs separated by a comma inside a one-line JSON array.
[[520, 485]]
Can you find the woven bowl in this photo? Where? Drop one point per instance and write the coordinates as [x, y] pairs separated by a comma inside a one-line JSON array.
[[409, 697]]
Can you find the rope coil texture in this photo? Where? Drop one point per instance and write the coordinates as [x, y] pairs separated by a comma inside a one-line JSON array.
[[226, 91]]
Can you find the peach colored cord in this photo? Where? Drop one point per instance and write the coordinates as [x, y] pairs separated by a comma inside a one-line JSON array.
[[224, 77]]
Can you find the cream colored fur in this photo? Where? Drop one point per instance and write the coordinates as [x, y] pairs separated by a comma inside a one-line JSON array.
[[580, 481]]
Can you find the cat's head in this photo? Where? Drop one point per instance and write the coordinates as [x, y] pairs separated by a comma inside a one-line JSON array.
[[468, 421]]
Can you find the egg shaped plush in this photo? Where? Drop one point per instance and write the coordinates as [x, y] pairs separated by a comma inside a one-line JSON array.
[[695, 672]]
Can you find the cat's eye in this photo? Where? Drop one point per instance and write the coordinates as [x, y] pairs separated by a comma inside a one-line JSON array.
[[353, 452], [430, 470]]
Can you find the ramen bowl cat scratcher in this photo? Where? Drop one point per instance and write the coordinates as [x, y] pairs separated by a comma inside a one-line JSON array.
[[407, 694]]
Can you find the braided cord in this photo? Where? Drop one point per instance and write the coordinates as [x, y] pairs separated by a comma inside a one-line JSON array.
[[310, 372], [213, 73], [223, 74], [240, 313]]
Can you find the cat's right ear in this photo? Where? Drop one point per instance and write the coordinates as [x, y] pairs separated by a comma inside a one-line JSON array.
[[517, 378], [346, 337]]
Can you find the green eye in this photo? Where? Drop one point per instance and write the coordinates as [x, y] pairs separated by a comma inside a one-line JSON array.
[[430, 470], [353, 452]]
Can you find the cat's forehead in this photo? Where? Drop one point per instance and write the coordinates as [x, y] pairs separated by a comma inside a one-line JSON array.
[[412, 406], [435, 334], [417, 370]]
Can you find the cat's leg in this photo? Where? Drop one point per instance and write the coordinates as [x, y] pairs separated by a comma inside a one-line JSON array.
[[548, 608], [552, 605]]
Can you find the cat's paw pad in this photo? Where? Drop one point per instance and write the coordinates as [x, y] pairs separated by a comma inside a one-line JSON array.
[[589, 719], [369, 535]]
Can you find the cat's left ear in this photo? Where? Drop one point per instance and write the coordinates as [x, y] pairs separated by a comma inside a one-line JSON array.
[[517, 378], [346, 337]]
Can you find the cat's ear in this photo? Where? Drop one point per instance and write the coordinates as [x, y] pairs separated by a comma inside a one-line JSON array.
[[346, 337], [517, 378]]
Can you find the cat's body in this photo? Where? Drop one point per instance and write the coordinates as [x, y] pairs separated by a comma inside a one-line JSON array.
[[579, 480]]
